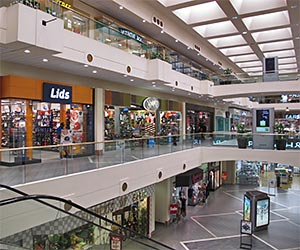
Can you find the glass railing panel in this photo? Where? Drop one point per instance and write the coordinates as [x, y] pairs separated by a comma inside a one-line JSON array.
[[56, 224]]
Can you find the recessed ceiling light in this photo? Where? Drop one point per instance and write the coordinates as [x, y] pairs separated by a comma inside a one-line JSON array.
[[188, 48], [206, 59], [121, 7], [293, 6], [198, 54], [162, 31], [153, 85], [189, 93], [120, 45], [108, 40], [153, 82], [125, 75], [131, 80], [45, 60], [176, 41], [173, 89], [297, 38], [94, 71], [27, 51], [234, 17], [144, 20], [85, 65]]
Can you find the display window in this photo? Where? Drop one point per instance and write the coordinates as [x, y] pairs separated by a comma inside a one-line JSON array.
[[125, 122], [48, 119], [197, 121]]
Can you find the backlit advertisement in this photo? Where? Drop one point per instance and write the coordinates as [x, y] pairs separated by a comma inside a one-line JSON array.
[[263, 120], [247, 209], [262, 213]]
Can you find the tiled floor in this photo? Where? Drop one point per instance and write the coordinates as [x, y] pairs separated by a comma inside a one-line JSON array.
[[216, 225]]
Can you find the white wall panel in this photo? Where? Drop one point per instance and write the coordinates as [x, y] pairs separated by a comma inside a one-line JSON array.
[[49, 36], [26, 23], [3, 12]]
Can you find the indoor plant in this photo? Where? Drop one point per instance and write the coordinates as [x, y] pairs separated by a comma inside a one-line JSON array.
[[227, 74], [242, 138], [280, 138]]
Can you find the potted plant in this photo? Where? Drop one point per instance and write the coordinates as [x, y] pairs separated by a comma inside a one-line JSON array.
[[242, 138], [227, 74], [280, 139]]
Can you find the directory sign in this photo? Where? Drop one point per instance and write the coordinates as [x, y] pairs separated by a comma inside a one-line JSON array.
[[263, 120]]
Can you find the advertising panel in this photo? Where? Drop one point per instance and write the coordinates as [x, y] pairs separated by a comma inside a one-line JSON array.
[[247, 209], [263, 120], [262, 213]]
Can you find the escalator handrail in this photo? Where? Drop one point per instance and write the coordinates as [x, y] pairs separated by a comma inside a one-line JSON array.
[[37, 198]]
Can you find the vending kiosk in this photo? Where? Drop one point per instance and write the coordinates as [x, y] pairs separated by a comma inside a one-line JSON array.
[[256, 209]]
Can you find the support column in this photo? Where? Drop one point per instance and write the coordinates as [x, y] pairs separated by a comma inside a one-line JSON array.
[[162, 201], [228, 168], [28, 122], [99, 119], [183, 119]]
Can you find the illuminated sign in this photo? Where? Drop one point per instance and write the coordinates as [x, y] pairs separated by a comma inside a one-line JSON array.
[[62, 3], [151, 104], [57, 93], [131, 35], [263, 120], [292, 116]]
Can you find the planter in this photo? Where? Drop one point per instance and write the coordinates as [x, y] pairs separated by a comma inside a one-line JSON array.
[[280, 144], [242, 142]]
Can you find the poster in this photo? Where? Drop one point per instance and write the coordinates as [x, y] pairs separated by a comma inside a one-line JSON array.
[[262, 212], [246, 227], [263, 120], [247, 209], [76, 125], [115, 242]]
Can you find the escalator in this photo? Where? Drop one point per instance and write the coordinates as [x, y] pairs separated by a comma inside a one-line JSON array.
[[45, 222]]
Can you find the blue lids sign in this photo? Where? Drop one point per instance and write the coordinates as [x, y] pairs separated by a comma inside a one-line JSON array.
[[151, 103], [57, 93]]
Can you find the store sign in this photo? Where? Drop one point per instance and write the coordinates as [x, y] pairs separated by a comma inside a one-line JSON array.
[[115, 242], [173, 208], [292, 116], [62, 3], [57, 93], [131, 35], [151, 104]]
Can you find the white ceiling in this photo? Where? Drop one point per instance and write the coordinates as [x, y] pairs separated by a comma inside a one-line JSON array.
[[245, 30]]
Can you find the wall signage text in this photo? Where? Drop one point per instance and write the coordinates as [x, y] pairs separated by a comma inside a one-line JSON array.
[[57, 93], [131, 35], [151, 104]]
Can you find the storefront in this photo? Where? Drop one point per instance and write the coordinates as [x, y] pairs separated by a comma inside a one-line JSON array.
[[239, 116], [291, 120], [189, 183], [199, 119], [214, 175], [36, 113], [127, 116]]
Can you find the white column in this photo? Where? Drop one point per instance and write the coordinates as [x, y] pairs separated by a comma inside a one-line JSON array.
[[99, 118], [183, 119], [162, 201]]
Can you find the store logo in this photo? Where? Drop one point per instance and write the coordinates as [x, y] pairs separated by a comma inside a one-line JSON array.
[[57, 93], [151, 103]]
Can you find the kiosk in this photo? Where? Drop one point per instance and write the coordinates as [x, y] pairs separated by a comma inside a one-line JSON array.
[[256, 209]]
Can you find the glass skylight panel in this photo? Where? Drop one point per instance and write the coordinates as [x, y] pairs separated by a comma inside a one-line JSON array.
[[287, 60], [168, 3], [254, 69], [272, 35], [276, 45], [284, 53], [250, 6], [255, 73], [216, 29], [237, 50], [249, 64], [288, 66], [244, 58], [228, 41], [267, 20], [288, 71], [200, 13]]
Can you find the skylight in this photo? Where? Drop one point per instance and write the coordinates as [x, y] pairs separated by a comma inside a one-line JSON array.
[[216, 29], [227, 41]]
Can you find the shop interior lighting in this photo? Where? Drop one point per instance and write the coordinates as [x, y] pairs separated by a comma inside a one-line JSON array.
[[27, 51]]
